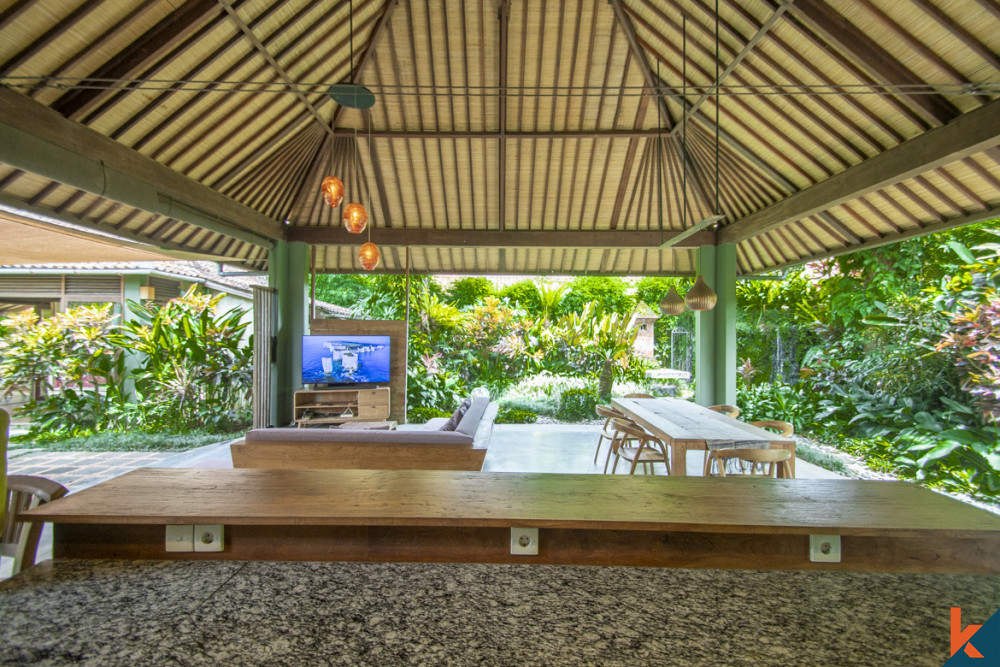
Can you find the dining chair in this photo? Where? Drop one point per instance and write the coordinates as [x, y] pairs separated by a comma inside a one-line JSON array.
[[728, 410], [766, 461], [649, 451], [608, 413], [717, 456], [19, 539], [637, 395], [783, 428]]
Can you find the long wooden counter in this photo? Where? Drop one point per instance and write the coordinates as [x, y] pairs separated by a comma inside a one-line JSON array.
[[454, 516]]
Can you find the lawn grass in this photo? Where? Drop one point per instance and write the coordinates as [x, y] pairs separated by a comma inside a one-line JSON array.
[[125, 442]]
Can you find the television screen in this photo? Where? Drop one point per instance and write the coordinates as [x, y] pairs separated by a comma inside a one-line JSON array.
[[345, 359]]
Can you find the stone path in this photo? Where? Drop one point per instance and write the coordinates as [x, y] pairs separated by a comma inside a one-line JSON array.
[[78, 470]]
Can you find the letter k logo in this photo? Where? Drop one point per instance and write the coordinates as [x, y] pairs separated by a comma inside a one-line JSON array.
[[960, 636]]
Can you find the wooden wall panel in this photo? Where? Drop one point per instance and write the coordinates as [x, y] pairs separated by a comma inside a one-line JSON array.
[[396, 330]]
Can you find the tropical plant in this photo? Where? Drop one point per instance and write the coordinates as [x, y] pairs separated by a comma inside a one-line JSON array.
[[469, 291], [608, 294], [602, 344], [578, 404], [195, 368], [67, 364]]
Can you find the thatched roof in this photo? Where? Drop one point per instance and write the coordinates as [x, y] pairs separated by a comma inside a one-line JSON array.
[[580, 136]]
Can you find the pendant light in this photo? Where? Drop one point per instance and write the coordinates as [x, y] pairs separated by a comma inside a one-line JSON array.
[[368, 255], [333, 191], [701, 296], [672, 303]]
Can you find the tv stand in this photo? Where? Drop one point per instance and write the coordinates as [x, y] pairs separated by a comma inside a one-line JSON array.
[[327, 407]]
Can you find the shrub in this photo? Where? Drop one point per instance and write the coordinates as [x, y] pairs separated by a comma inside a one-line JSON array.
[[547, 406], [515, 416], [578, 404], [470, 291], [424, 415]]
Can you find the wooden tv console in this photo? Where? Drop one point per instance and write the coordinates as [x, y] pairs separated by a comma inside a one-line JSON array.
[[450, 516], [323, 407]]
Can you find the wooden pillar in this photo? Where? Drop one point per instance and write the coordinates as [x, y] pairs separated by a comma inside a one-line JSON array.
[[288, 269], [715, 330]]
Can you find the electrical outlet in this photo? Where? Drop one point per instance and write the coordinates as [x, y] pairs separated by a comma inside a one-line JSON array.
[[824, 548], [180, 538], [208, 538], [524, 541]]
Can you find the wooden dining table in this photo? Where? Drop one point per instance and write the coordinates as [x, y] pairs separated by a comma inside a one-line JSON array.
[[684, 426]]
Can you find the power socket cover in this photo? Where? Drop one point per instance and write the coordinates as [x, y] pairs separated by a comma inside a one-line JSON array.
[[209, 538], [524, 541]]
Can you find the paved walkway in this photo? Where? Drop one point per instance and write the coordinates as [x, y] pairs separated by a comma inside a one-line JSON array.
[[78, 470]]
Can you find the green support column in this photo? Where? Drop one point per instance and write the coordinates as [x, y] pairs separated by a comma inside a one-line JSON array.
[[715, 330], [289, 268]]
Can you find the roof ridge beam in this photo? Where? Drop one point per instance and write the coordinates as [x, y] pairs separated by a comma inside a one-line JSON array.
[[970, 133], [493, 238]]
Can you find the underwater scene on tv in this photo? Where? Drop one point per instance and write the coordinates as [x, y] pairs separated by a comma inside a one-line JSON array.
[[345, 359]]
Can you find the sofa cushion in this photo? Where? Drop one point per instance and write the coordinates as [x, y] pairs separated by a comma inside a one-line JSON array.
[[472, 417], [456, 417], [339, 435]]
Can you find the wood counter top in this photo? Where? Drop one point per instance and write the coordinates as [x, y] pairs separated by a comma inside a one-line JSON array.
[[479, 499]]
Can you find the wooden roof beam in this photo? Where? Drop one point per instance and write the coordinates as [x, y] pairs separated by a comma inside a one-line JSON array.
[[970, 133], [479, 238], [37, 139], [639, 54], [280, 71], [181, 22], [748, 47], [867, 53]]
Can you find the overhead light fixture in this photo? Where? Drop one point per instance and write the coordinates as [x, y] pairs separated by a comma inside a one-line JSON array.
[[701, 296], [333, 191], [368, 255], [672, 303], [147, 293], [355, 218]]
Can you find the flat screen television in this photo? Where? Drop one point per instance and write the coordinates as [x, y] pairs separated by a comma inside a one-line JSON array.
[[339, 360]]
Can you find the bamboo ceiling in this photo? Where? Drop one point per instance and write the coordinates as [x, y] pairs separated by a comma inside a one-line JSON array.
[[507, 136]]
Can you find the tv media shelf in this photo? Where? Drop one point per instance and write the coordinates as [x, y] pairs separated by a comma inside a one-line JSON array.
[[316, 407]]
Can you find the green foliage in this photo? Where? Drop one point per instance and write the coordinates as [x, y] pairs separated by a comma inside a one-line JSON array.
[[129, 441], [578, 404], [422, 415], [441, 390], [515, 416], [793, 404], [469, 291], [523, 295], [601, 344], [607, 293], [68, 365], [194, 369], [547, 406], [345, 289]]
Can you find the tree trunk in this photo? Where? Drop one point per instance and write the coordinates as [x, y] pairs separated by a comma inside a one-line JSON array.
[[606, 381]]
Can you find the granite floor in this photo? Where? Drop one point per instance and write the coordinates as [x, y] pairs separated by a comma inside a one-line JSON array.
[[266, 613]]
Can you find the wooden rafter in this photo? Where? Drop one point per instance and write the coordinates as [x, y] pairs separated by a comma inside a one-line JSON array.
[[970, 133], [872, 57], [653, 85], [183, 21]]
